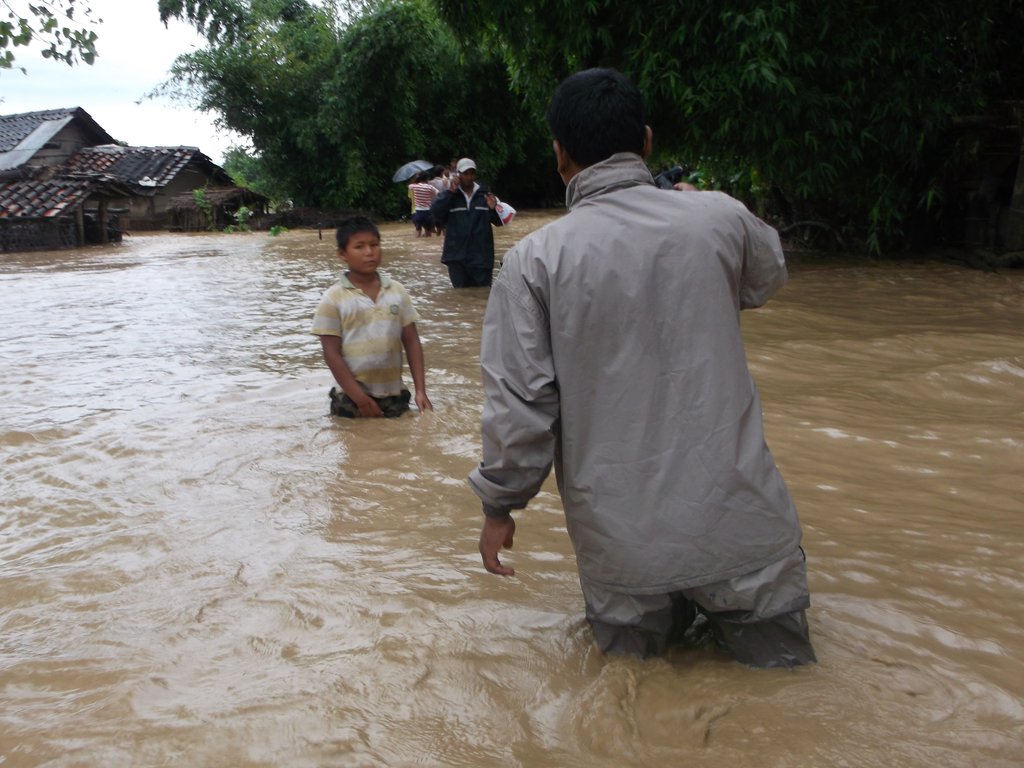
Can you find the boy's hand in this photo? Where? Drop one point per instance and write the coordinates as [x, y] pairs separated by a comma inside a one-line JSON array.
[[496, 533], [370, 409], [423, 402]]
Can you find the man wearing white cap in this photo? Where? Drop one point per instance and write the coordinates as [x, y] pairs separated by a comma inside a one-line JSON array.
[[467, 211]]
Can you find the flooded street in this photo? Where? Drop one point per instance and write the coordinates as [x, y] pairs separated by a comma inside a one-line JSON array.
[[200, 567]]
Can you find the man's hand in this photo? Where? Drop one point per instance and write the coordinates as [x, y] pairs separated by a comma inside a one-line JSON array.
[[491, 200], [496, 533]]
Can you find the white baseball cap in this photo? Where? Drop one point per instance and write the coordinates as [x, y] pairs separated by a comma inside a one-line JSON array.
[[465, 164]]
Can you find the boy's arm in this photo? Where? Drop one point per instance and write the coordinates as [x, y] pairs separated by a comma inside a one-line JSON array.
[[414, 354], [343, 375]]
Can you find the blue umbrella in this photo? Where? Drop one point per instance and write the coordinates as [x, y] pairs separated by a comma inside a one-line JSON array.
[[410, 169]]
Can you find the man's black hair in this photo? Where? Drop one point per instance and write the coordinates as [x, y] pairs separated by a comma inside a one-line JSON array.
[[596, 113], [353, 226]]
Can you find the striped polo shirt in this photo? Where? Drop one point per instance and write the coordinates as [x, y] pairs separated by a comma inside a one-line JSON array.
[[371, 332]]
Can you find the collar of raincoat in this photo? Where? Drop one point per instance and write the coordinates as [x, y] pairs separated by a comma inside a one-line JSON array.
[[623, 169]]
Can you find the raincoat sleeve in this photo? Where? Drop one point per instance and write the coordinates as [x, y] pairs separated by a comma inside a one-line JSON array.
[[442, 206], [521, 405], [764, 265]]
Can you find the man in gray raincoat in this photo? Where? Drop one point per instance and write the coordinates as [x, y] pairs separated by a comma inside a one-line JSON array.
[[611, 348]]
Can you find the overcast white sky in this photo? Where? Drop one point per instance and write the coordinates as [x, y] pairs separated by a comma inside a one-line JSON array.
[[135, 54]]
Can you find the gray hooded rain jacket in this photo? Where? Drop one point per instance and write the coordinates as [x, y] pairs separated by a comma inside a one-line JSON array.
[[611, 348]]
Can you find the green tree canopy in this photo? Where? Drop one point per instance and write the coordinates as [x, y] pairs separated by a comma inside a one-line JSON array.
[[333, 109], [265, 82], [845, 108], [844, 112]]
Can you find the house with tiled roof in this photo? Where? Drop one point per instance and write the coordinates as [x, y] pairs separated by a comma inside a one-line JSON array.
[[46, 139], [38, 208], [156, 174], [65, 182]]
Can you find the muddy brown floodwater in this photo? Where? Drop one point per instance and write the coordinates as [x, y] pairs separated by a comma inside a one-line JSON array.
[[200, 567]]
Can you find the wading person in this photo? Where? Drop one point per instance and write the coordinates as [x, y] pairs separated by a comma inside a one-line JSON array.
[[611, 347], [423, 195], [364, 321], [466, 213]]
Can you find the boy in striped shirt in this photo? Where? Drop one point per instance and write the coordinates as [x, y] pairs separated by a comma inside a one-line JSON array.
[[364, 321]]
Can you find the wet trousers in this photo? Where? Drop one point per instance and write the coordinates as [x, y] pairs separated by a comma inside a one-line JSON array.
[[343, 405], [759, 618], [468, 276]]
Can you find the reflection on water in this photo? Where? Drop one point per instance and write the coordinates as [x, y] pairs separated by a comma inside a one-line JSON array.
[[201, 567]]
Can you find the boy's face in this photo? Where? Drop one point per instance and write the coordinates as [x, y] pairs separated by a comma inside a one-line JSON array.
[[362, 253]]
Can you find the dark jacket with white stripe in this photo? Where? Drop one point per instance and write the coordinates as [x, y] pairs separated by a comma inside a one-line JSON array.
[[467, 234]]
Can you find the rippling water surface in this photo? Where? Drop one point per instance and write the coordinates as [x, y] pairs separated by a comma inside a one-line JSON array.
[[199, 566]]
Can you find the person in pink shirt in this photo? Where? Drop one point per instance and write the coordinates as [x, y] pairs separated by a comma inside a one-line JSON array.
[[423, 194]]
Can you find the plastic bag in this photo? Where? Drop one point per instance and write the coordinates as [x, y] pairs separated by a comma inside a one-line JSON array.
[[505, 212]]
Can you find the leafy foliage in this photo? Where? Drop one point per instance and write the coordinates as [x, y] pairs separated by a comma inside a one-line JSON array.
[[205, 206], [51, 24], [332, 110], [405, 89], [247, 170], [266, 83], [844, 111], [224, 21], [241, 217], [217, 19]]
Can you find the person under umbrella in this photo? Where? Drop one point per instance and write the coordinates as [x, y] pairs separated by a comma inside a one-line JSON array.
[[423, 194]]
